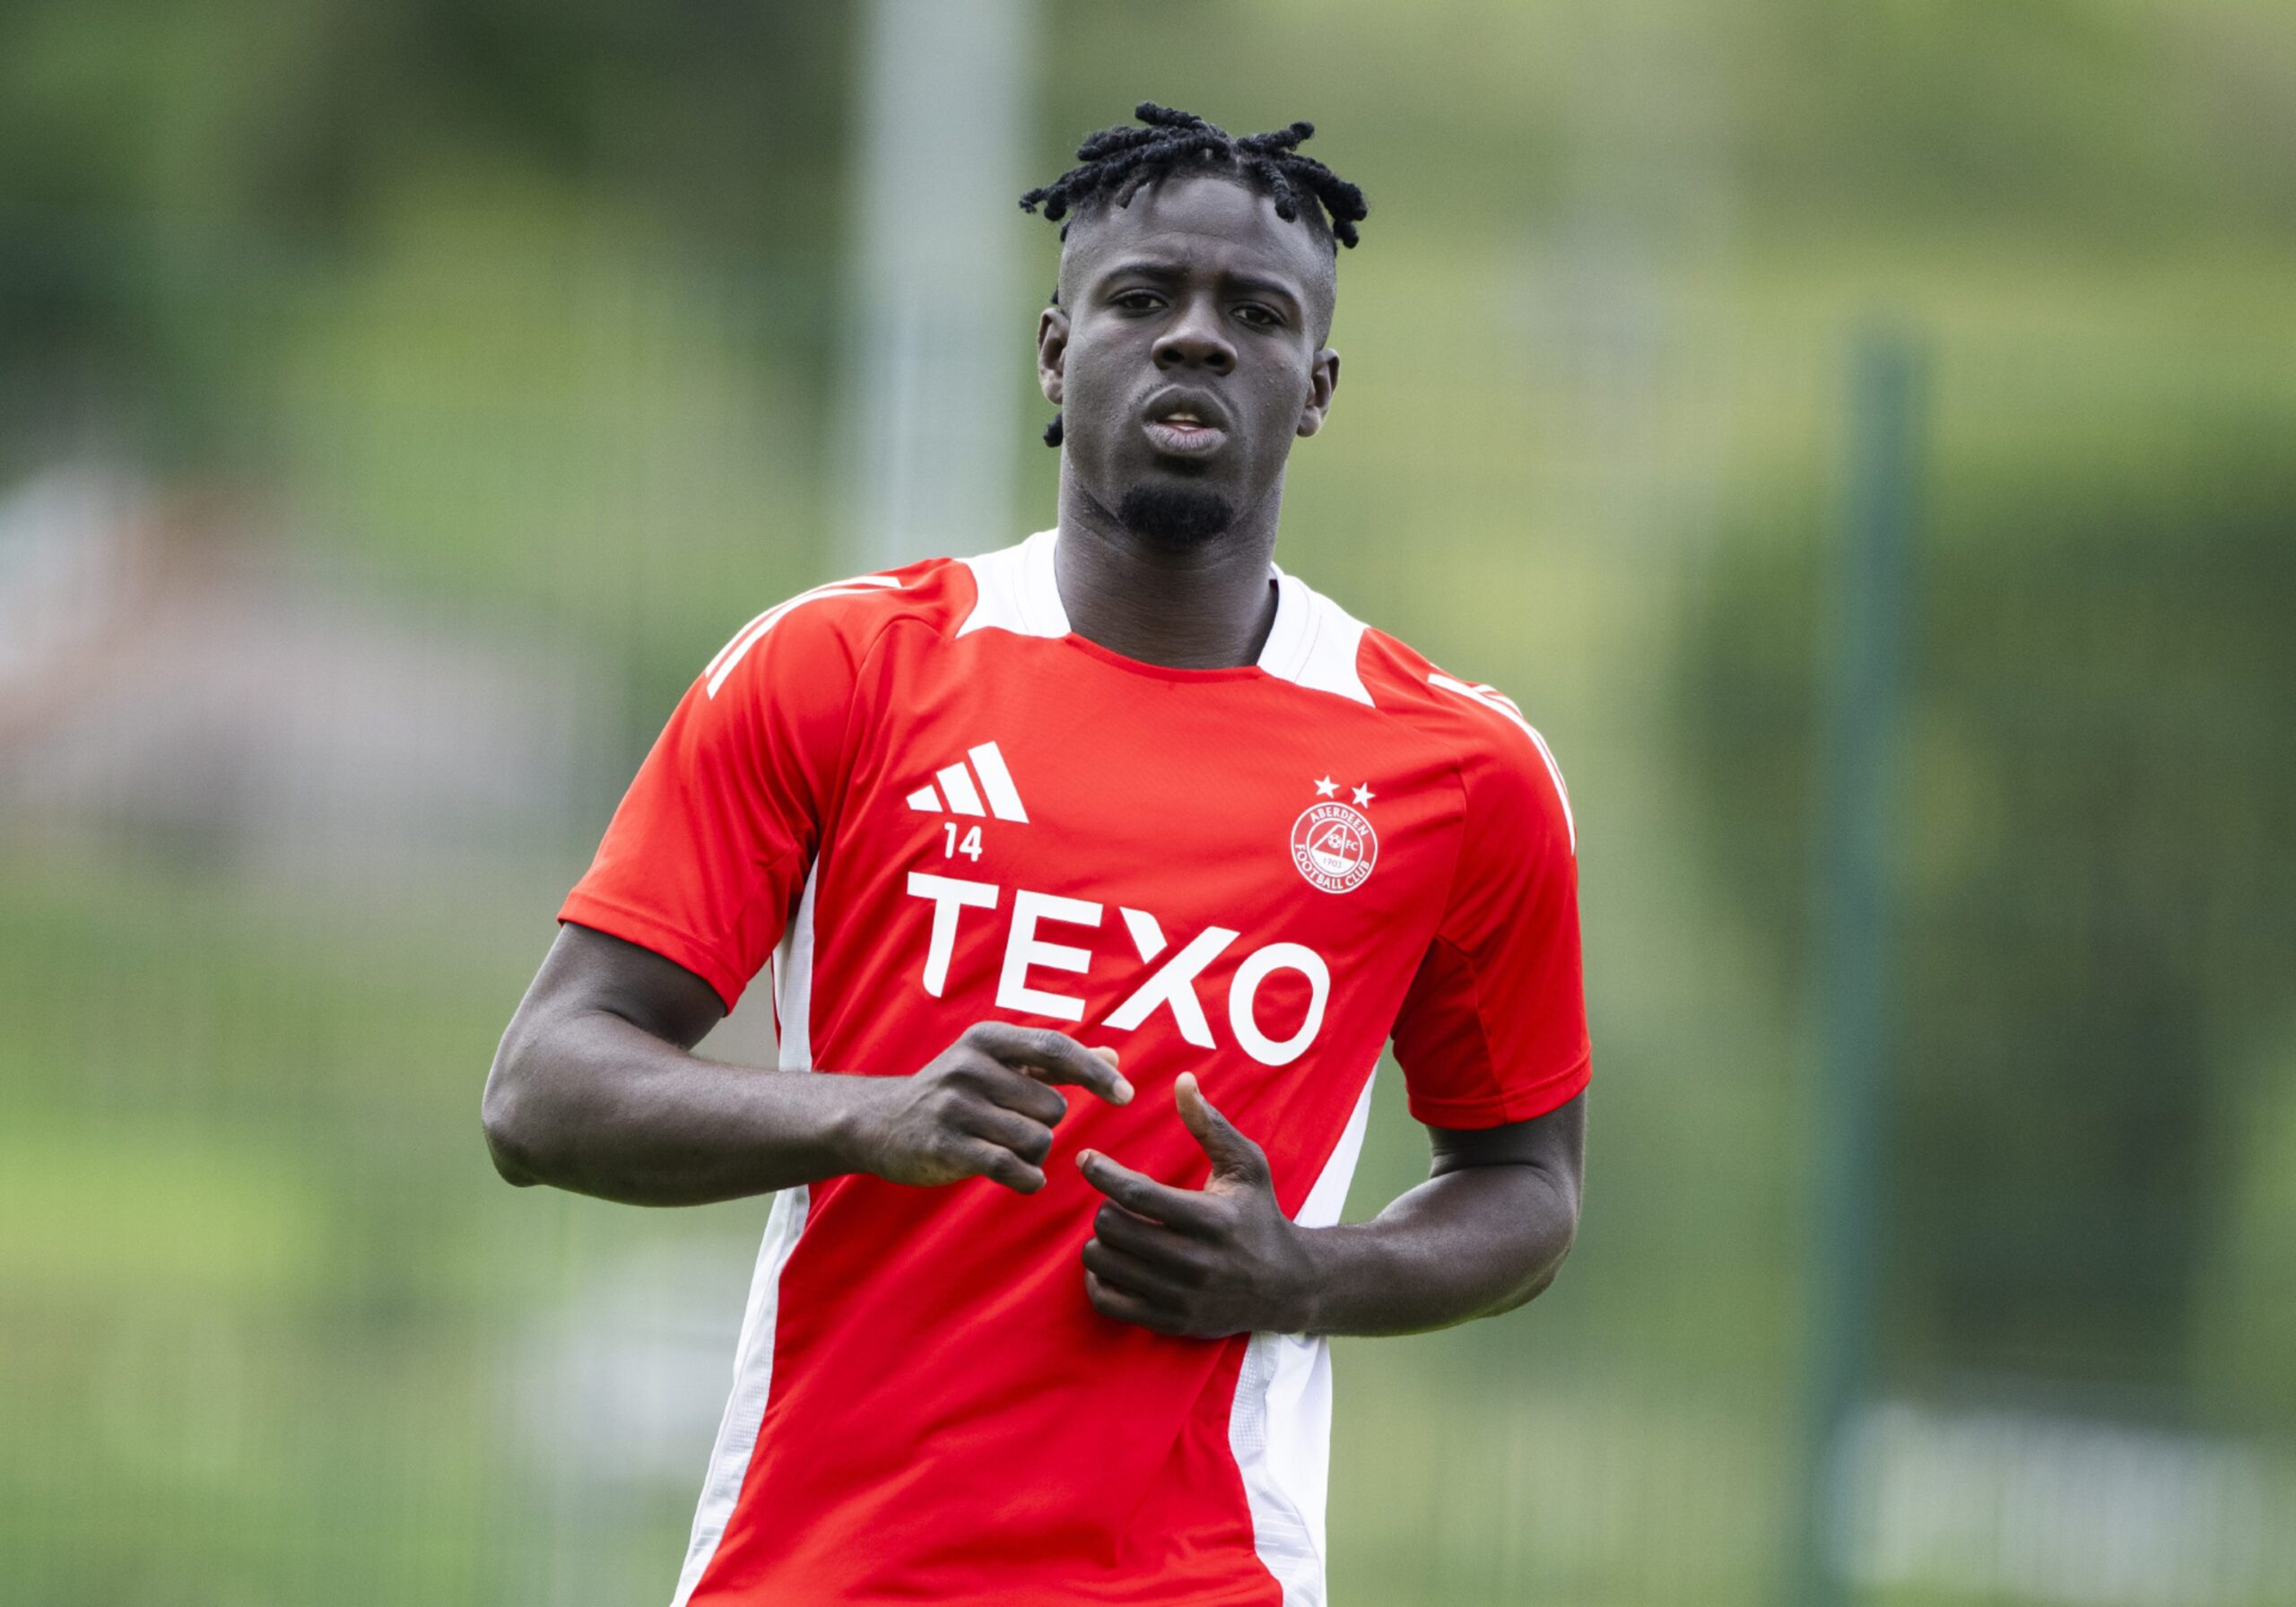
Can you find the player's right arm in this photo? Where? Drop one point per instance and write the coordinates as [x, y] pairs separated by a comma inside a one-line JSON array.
[[595, 1089]]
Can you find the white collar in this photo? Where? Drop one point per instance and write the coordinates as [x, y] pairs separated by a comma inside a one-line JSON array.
[[1312, 642]]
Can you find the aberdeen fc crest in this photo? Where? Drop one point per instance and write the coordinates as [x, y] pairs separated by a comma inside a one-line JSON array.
[[1333, 847]]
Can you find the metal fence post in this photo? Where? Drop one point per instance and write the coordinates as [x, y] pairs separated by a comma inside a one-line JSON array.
[[940, 336], [1864, 674]]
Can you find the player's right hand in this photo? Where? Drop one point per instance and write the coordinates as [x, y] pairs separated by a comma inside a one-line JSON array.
[[983, 1108]]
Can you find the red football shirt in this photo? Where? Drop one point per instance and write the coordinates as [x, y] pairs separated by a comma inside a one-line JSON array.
[[928, 802]]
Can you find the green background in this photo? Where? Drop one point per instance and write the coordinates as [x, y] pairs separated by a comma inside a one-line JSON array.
[[516, 326]]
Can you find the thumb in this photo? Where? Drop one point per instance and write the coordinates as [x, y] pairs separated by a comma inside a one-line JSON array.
[[1233, 1154]]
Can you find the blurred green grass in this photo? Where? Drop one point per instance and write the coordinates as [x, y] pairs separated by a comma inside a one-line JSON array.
[[274, 1332], [268, 1290]]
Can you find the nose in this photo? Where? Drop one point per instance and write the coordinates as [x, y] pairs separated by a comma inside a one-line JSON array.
[[1195, 341]]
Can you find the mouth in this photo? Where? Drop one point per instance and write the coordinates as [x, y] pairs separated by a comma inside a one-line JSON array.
[[1184, 426]]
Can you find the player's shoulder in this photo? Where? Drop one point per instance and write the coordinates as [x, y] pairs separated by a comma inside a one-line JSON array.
[[1465, 714], [1011, 589], [932, 591], [1318, 644], [838, 622], [1502, 756]]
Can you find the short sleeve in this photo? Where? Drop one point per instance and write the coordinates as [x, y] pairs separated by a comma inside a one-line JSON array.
[[708, 853], [1494, 1029]]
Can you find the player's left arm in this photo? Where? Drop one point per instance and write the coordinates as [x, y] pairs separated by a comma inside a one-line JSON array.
[[1487, 1231], [1492, 1038]]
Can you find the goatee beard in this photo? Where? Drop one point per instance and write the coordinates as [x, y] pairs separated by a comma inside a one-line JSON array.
[[1175, 515]]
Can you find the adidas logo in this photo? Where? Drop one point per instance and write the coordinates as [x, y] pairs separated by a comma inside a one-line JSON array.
[[955, 783]]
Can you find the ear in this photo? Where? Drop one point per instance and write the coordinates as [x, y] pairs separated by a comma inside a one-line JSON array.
[[1052, 353], [1323, 380]]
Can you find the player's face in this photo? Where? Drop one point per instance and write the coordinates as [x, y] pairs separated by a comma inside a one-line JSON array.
[[1187, 355]]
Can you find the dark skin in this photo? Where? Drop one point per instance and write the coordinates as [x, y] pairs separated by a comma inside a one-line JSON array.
[[1197, 297], [1196, 293]]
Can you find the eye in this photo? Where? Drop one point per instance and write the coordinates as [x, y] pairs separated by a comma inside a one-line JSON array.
[[1259, 316], [1137, 300]]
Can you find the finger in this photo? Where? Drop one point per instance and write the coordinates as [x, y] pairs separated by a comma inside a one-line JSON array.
[[1181, 1256], [981, 1159], [1054, 1057], [1110, 1302], [1017, 1090], [1233, 1154], [1134, 1276], [1007, 1130], [1183, 1209]]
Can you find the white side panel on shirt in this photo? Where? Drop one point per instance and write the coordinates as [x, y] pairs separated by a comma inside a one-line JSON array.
[[729, 1459], [738, 1430], [793, 983], [1280, 1427]]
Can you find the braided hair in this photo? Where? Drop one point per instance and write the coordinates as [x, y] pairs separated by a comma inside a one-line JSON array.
[[1116, 163]]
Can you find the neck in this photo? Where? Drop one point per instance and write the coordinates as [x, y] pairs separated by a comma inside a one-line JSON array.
[[1203, 607]]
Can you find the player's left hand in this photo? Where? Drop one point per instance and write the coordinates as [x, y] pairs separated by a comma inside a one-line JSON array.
[[1206, 1263]]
